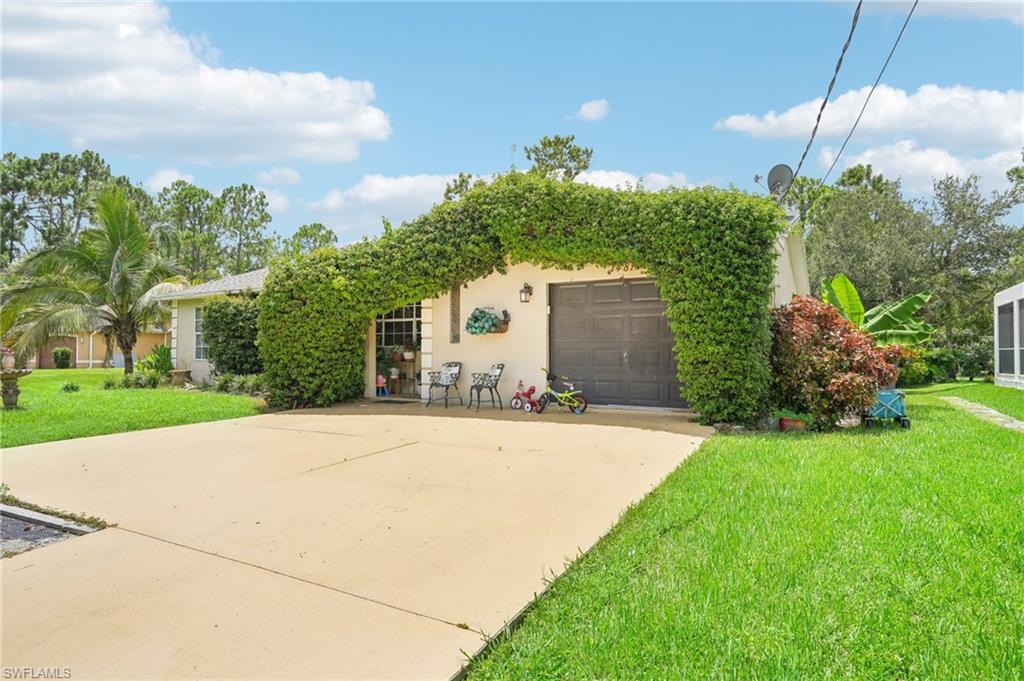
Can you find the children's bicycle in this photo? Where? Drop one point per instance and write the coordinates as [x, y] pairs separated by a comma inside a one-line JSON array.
[[571, 398]]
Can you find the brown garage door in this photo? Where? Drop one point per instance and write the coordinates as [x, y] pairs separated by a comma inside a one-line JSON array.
[[613, 339]]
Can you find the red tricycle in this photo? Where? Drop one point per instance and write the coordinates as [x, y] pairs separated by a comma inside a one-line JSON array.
[[523, 399]]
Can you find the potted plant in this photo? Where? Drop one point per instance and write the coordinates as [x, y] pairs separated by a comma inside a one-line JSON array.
[[409, 353], [791, 420], [8, 359]]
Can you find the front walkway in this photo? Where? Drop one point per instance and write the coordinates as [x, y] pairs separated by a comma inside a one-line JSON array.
[[987, 413], [332, 544]]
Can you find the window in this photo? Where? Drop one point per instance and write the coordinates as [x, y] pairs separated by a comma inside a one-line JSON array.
[[202, 351], [399, 327], [1004, 339], [1020, 335]]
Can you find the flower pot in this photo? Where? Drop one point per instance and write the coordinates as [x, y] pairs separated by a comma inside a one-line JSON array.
[[409, 355], [394, 372], [786, 424], [7, 362]]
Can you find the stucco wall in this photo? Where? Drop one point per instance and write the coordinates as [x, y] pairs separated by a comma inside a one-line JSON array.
[[183, 349], [524, 348]]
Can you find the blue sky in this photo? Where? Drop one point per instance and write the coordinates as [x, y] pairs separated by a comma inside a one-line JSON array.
[[346, 112]]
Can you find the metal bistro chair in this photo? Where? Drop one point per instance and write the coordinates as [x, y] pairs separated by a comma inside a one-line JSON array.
[[447, 378], [487, 380]]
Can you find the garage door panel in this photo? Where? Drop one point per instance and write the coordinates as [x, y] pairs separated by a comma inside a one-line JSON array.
[[603, 391], [644, 292], [609, 293], [613, 326], [613, 339]]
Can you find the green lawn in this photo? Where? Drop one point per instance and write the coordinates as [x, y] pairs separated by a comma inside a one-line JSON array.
[[883, 554], [45, 413], [1007, 400]]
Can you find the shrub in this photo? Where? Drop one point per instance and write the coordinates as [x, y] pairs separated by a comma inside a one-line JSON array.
[[62, 358], [915, 372], [823, 364], [229, 326], [224, 383], [250, 384], [140, 379], [711, 252], [110, 383], [70, 387], [158, 361]]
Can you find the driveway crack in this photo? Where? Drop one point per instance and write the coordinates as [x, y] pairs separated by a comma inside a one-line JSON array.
[[368, 599]]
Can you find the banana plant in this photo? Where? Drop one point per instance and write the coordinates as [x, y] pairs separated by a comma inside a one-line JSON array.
[[889, 323]]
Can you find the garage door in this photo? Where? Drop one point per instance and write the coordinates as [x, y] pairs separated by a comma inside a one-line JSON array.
[[613, 339]]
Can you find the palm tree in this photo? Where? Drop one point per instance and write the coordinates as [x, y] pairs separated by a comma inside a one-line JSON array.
[[107, 280]]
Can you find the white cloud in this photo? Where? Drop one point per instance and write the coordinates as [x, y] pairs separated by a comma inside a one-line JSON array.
[[357, 210], [953, 116], [117, 77], [917, 166], [1009, 10], [166, 177], [593, 110], [620, 179], [277, 201], [279, 175]]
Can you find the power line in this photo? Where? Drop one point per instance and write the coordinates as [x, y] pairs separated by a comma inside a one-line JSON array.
[[871, 92], [828, 93]]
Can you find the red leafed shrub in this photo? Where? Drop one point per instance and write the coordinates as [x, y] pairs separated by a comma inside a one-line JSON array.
[[823, 364]]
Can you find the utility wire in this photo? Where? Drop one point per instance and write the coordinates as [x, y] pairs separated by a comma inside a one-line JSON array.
[[871, 92], [828, 93]]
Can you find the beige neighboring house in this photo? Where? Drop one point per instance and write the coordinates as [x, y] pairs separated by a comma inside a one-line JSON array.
[[88, 349], [605, 329]]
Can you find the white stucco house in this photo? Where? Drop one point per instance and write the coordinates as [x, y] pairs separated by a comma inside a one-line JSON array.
[[605, 329], [1008, 320]]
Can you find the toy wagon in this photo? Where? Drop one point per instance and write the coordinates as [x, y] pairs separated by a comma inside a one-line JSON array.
[[890, 405]]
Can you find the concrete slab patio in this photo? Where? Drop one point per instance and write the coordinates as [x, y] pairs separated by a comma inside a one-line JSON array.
[[331, 543]]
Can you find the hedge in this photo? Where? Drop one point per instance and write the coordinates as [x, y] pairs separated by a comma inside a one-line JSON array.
[[710, 250], [229, 327]]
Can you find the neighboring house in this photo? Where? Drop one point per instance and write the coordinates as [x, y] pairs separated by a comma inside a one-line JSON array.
[[88, 349], [1008, 319], [605, 329], [188, 347]]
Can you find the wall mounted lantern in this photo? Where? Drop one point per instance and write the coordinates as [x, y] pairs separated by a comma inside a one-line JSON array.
[[524, 293]]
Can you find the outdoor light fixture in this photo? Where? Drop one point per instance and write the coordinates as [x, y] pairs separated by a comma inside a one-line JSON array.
[[524, 293]]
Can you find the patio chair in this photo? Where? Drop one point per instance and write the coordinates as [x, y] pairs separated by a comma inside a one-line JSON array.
[[487, 380], [446, 379]]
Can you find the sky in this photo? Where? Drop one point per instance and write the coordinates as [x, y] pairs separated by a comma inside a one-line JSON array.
[[347, 113]]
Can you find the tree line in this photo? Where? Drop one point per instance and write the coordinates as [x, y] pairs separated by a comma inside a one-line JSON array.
[[50, 199], [959, 244]]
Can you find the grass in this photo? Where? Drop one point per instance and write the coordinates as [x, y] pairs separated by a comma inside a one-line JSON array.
[[46, 413], [883, 554], [1007, 400]]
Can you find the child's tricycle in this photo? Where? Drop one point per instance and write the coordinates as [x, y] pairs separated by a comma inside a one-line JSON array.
[[890, 405], [523, 399]]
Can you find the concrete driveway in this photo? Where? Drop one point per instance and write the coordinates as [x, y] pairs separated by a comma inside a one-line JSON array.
[[334, 544]]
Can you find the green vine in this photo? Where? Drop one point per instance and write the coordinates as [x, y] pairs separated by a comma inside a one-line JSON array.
[[711, 251]]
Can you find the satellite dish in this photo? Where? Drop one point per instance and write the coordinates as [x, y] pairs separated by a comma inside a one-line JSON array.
[[779, 179]]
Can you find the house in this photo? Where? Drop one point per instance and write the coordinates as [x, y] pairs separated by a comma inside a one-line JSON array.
[[88, 348], [1008, 320], [188, 347], [605, 329]]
